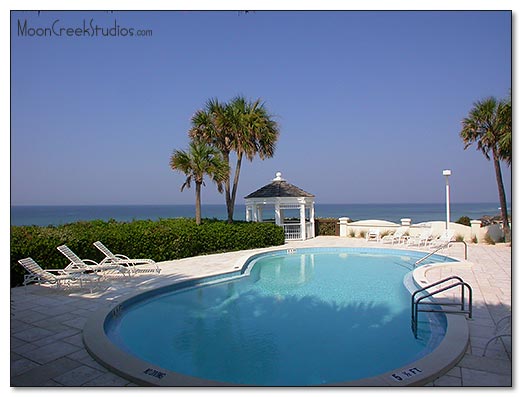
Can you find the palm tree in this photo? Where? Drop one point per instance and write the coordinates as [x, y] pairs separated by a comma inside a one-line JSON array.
[[505, 138], [239, 126], [489, 126], [201, 159]]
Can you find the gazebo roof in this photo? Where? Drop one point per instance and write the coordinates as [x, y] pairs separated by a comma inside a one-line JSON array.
[[279, 188]]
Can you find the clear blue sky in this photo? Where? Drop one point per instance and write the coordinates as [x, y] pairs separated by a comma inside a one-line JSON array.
[[369, 103]]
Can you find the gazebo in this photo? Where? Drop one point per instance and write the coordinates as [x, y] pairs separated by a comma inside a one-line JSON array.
[[283, 198]]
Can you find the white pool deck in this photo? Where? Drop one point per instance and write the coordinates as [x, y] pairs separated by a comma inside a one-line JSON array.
[[46, 324]]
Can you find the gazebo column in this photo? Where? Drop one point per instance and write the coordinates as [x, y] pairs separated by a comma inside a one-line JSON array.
[[253, 215], [303, 221], [259, 213], [312, 220], [248, 215], [278, 213]]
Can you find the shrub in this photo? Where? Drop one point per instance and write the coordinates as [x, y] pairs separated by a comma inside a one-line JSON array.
[[326, 226], [162, 240], [464, 220], [488, 239]]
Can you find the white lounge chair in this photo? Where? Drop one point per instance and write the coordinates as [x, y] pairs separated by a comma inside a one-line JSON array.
[[398, 237], [58, 277], [422, 239], [444, 239], [90, 265], [135, 265], [373, 234]]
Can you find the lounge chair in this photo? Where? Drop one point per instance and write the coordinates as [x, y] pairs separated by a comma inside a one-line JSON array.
[[373, 234], [398, 237], [502, 329], [58, 277], [90, 265], [135, 265], [444, 239], [422, 239]]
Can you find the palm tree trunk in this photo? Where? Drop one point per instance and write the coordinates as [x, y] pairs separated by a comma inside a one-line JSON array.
[[198, 203], [234, 188], [502, 198], [228, 198]]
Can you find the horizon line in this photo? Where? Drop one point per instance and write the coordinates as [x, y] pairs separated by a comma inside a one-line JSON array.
[[242, 204]]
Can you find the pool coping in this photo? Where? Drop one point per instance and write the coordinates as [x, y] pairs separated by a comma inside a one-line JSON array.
[[103, 350]]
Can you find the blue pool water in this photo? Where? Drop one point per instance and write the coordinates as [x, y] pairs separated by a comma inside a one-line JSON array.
[[307, 318]]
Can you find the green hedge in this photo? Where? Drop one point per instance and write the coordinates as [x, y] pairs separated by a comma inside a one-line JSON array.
[[326, 227], [161, 240]]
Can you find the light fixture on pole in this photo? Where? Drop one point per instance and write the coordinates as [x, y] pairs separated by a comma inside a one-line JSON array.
[[447, 173]]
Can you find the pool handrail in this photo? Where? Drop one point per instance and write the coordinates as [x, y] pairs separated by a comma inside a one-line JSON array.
[[415, 302], [441, 247]]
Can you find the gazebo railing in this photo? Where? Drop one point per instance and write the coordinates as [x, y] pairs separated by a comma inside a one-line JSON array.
[[293, 230]]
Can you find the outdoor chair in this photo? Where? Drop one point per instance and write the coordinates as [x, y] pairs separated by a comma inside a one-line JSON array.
[[373, 234], [134, 265], [90, 265], [444, 239], [502, 329], [398, 237], [422, 239], [58, 277]]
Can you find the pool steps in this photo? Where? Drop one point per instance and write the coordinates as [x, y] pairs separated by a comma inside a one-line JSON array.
[[415, 302]]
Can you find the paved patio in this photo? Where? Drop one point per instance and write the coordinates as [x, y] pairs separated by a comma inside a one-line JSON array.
[[46, 324]]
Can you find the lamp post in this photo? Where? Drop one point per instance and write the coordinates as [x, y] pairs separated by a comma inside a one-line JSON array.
[[447, 173]]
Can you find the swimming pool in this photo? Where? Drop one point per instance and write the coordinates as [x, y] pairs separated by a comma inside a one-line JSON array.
[[299, 318]]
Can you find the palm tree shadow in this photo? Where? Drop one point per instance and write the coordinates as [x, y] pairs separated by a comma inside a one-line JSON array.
[[253, 338]]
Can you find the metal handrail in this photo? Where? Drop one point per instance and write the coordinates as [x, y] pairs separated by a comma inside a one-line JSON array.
[[425, 288], [441, 247], [415, 303], [430, 254], [465, 248]]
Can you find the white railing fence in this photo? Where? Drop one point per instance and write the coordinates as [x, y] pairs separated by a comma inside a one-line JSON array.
[[293, 230]]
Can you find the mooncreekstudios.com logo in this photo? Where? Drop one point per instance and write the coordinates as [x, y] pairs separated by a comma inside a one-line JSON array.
[[87, 29]]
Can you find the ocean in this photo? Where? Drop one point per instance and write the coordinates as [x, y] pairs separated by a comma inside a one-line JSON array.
[[57, 215]]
